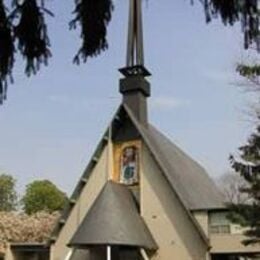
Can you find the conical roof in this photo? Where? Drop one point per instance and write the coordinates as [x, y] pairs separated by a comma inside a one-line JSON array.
[[113, 220]]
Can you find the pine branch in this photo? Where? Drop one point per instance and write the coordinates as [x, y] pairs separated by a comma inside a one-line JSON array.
[[93, 16], [31, 32], [252, 73], [232, 11], [7, 50]]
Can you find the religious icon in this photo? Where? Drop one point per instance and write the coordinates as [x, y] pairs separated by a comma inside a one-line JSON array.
[[129, 166]]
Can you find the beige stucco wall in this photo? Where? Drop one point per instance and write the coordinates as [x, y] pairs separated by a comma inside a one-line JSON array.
[[90, 192], [203, 220], [228, 243], [169, 223]]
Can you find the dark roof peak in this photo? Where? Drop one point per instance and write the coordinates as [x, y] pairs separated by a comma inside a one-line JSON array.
[[113, 219]]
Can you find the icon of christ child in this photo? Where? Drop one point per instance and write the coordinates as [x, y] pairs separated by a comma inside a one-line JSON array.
[[129, 166]]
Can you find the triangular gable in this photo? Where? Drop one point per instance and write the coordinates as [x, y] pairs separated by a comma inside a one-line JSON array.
[[116, 124], [138, 131]]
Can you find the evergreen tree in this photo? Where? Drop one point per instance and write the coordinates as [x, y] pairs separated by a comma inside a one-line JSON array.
[[248, 166]]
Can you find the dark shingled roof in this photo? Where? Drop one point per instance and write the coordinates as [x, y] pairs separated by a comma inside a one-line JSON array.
[[113, 219], [186, 176], [188, 179]]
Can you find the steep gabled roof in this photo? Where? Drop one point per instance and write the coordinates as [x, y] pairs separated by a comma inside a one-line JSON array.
[[113, 220], [187, 178]]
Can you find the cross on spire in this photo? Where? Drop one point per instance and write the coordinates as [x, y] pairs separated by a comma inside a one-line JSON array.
[[135, 49]]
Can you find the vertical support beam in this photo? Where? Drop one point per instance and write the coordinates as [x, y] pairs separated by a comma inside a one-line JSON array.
[[139, 34], [110, 154], [68, 256], [143, 254], [109, 253], [130, 40]]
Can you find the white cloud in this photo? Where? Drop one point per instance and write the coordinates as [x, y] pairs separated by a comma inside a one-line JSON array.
[[168, 103]]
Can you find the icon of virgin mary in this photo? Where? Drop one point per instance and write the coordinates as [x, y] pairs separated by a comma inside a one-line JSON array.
[[129, 166]]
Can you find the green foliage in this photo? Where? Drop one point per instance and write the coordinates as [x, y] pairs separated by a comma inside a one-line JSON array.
[[6, 51], [23, 30], [93, 16], [31, 33], [43, 196], [248, 166], [8, 196], [246, 11], [250, 72]]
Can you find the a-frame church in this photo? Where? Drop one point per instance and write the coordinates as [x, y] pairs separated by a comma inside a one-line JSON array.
[[141, 196]]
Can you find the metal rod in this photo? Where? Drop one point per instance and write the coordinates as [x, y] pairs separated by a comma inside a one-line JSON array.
[[143, 254], [110, 155], [139, 32], [68, 256], [109, 253], [130, 48], [135, 50]]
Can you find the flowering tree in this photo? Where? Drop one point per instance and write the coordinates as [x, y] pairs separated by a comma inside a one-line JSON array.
[[20, 227]]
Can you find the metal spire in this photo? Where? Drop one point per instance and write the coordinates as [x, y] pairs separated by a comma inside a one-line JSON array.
[[135, 49]]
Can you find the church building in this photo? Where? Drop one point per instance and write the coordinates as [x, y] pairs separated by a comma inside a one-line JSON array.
[[141, 197]]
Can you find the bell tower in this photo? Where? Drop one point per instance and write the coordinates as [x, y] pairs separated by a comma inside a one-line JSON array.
[[134, 87]]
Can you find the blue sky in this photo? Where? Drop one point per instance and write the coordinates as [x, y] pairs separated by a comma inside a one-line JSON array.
[[52, 122]]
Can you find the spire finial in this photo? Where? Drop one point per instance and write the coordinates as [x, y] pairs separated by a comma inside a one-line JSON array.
[[135, 49]]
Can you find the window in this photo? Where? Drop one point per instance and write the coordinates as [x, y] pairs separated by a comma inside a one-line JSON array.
[[129, 166], [220, 229], [219, 223], [126, 168]]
